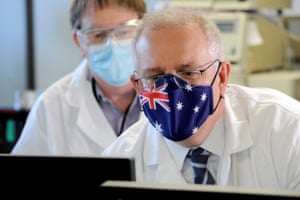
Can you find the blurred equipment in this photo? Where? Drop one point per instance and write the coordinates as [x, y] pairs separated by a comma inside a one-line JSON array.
[[252, 43], [292, 26], [232, 4], [11, 125], [24, 100], [257, 45]]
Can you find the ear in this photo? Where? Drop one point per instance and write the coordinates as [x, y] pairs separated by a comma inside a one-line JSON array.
[[224, 76], [134, 83], [76, 41]]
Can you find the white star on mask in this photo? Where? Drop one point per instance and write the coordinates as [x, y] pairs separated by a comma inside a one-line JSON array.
[[188, 87], [196, 109], [179, 105], [158, 127], [203, 97], [195, 129]]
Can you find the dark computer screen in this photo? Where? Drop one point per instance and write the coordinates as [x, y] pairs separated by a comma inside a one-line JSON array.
[[57, 174], [129, 190]]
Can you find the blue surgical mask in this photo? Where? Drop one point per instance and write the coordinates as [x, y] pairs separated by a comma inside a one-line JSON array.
[[176, 108], [113, 62]]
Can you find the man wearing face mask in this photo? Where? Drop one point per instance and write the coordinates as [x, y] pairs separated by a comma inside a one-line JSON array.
[[87, 110], [198, 127]]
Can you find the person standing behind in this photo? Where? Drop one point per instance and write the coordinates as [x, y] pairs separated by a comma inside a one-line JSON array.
[[85, 111], [248, 137]]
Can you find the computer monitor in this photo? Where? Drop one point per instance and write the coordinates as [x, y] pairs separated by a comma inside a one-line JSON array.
[[129, 190], [61, 174]]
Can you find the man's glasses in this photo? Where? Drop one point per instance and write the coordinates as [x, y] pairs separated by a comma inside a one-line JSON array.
[[100, 35], [190, 76]]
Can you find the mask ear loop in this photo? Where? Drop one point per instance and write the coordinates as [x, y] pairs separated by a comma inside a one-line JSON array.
[[218, 103], [219, 66], [220, 97]]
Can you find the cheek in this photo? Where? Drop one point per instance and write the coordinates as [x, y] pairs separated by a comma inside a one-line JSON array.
[[218, 90], [84, 53]]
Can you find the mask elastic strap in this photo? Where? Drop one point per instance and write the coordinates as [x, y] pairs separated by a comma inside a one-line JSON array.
[[93, 81], [213, 81], [141, 109], [218, 103]]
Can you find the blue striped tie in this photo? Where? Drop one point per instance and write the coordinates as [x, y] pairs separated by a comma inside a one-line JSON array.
[[198, 158]]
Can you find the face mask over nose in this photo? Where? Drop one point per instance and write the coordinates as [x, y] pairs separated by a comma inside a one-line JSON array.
[[112, 61], [176, 108]]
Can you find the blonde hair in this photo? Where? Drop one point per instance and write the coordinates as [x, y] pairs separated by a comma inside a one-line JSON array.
[[78, 8]]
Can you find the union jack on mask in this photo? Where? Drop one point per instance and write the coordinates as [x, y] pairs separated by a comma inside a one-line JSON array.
[[176, 108]]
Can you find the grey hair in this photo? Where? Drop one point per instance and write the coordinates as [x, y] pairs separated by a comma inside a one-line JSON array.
[[182, 18]]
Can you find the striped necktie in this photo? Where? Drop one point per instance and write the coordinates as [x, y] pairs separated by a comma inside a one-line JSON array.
[[198, 158]]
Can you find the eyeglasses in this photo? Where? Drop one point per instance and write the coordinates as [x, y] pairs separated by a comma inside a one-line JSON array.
[[191, 76], [100, 35]]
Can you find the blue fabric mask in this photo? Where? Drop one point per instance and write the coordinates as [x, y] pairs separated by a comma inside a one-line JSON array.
[[113, 62], [176, 108]]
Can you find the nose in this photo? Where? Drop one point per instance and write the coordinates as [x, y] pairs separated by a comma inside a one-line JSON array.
[[110, 33], [108, 37], [170, 70]]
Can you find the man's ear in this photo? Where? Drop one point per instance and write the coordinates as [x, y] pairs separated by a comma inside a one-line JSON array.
[[76, 41], [224, 75], [134, 83]]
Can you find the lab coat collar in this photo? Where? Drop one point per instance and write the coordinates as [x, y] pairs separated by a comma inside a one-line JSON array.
[[178, 152], [89, 116], [78, 78], [231, 133], [156, 147], [152, 145], [80, 96], [237, 129], [156, 155]]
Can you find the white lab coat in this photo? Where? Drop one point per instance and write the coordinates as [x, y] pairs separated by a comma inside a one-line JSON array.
[[259, 136], [66, 119]]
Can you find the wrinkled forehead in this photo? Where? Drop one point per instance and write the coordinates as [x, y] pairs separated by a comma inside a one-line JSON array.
[[170, 46]]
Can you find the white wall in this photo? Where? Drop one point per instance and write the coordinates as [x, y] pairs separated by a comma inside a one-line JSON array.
[[295, 10], [12, 49], [55, 52]]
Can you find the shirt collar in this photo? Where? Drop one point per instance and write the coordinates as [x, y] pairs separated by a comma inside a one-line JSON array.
[[177, 151], [213, 143], [99, 94]]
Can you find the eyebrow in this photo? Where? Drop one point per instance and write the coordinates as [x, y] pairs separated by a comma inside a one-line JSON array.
[[159, 69], [155, 70], [188, 66], [101, 28]]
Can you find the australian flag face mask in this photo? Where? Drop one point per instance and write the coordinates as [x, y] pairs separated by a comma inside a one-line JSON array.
[[176, 108]]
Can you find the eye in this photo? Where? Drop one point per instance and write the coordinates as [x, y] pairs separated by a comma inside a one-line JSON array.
[[99, 35], [189, 74], [152, 78], [125, 32], [149, 80]]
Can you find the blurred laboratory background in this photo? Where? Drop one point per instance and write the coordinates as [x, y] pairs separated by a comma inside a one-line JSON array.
[[261, 39]]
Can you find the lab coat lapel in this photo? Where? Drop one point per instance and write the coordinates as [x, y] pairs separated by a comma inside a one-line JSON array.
[[90, 118], [159, 160], [237, 139]]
